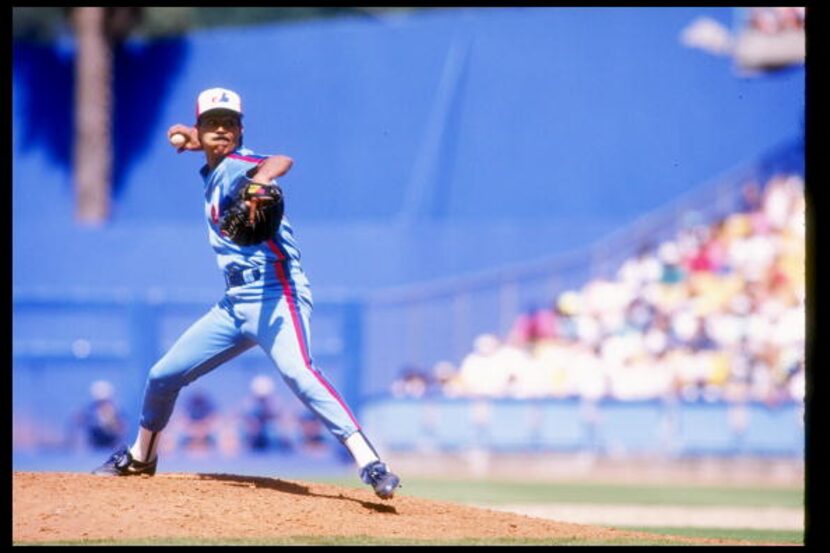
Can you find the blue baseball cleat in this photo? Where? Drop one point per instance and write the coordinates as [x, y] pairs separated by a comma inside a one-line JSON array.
[[381, 479], [121, 463]]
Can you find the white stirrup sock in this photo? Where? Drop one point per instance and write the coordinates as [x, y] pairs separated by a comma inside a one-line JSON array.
[[144, 448], [360, 449]]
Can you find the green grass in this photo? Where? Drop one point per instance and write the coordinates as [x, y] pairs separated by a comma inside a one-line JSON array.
[[750, 534], [500, 492]]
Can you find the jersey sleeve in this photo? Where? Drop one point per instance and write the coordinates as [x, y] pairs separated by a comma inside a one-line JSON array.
[[238, 166]]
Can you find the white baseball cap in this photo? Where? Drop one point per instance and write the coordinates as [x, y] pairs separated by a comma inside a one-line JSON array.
[[218, 98]]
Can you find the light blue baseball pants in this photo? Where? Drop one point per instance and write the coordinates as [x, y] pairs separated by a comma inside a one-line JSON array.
[[272, 312]]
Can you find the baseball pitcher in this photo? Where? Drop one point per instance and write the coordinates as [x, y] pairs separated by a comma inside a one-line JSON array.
[[267, 301]]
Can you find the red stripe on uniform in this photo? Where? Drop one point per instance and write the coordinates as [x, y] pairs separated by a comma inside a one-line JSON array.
[[298, 330], [246, 158], [276, 249]]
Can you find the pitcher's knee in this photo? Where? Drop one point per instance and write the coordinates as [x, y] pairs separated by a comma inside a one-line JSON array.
[[159, 383], [302, 379]]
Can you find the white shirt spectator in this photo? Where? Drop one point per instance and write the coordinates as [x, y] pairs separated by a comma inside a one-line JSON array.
[[639, 379], [641, 270], [777, 202], [797, 386], [724, 328], [789, 328], [588, 376], [655, 341], [490, 369], [588, 330], [752, 256], [684, 325], [552, 359]]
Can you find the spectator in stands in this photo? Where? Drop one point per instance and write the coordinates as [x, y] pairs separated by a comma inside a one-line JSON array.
[[262, 421], [493, 368], [604, 303], [774, 20], [553, 368], [797, 384], [711, 255], [312, 434], [444, 373], [412, 382], [641, 270], [534, 324], [750, 197], [200, 426], [640, 314], [567, 307], [102, 421], [773, 38], [672, 271], [779, 200], [764, 20], [700, 340]]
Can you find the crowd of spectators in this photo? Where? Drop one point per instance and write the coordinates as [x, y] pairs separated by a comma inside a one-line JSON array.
[[261, 424], [201, 426], [100, 423], [771, 38], [717, 313], [774, 20]]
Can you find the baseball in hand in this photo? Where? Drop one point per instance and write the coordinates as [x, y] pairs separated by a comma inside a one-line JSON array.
[[178, 140]]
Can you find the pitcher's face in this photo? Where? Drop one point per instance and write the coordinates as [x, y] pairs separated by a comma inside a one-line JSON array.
[[219, 132]]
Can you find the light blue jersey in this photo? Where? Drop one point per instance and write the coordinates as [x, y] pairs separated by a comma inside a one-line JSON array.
[[221, 187]]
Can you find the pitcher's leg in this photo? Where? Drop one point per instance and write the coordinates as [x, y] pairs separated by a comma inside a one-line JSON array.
[[281, 326], [209, 342], [282, 332]]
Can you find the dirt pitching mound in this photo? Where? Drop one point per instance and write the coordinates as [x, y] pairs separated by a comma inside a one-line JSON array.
[[57, 507]]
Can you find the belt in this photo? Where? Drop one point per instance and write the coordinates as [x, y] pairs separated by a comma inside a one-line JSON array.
[[238, 277]]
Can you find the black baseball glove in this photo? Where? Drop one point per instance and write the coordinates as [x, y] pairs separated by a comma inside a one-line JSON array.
[[255, 215]]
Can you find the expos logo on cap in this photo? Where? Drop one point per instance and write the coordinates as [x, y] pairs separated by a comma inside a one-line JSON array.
[[218, 98]]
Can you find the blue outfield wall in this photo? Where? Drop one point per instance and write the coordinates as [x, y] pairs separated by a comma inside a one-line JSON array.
[[445, 142], [606, 427]]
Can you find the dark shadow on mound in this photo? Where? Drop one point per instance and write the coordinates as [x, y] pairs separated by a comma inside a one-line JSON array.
[[290, 487]]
